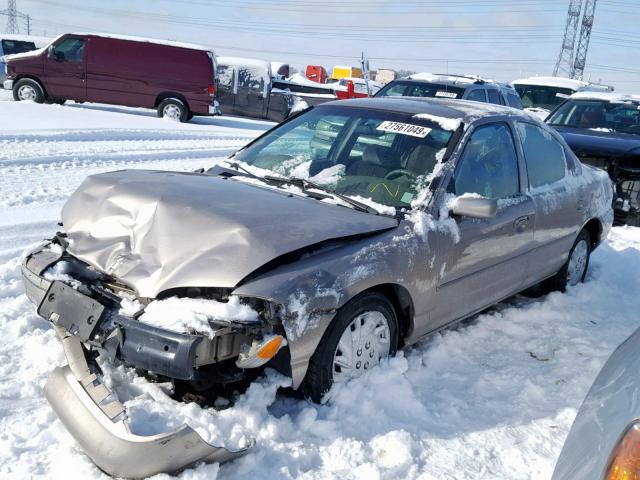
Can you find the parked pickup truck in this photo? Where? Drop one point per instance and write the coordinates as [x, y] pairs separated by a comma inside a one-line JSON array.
[[246, 87]]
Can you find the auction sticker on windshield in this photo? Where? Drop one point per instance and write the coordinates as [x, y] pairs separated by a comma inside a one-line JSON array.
[[404, 129]]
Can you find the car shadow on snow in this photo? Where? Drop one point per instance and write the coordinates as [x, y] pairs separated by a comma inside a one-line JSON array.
[[226, 121]]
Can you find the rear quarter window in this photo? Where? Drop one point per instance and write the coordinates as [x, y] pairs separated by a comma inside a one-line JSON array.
[[544, 155], [477, 95]]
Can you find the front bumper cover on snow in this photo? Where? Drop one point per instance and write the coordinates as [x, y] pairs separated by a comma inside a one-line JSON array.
[[87, 408], [97, 421]]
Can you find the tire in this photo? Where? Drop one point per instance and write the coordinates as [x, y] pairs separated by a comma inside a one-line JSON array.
[[173, 109], [28, 89], [575, 269], [58, 101], [190, 116], [363, 309]]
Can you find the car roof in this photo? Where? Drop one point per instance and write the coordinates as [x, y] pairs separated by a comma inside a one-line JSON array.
[[465, 110], [605, 97], [449, 79]]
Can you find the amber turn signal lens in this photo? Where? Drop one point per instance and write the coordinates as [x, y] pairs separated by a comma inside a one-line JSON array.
[[269, 349], [625, 458]]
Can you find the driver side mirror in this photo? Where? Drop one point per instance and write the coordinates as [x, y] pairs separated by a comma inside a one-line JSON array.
[[474, 207]]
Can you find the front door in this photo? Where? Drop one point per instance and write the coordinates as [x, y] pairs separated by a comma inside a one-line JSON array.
[[64, 70], [251, 97], [485, 260]]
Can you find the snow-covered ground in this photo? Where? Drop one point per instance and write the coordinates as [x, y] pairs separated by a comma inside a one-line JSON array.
[[491, 399]]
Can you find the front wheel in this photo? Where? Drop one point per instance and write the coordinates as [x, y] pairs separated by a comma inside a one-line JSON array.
[[173, 109], [575, 269], [363, 332], [28, 90]]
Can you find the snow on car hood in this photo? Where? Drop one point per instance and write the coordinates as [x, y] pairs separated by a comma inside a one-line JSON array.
[[156, 230]]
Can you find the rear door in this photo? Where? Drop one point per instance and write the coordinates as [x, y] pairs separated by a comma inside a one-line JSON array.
[[559, 203], [489, 259], [65, 69]]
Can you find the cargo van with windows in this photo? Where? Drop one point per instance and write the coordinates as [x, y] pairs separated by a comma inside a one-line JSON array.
[[177, 79]]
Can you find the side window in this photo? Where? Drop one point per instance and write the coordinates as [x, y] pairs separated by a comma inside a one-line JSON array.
[[397, 90], [477, 95], [489, 164], [69, 50], [494, 97], [225, 76], [544, 155]]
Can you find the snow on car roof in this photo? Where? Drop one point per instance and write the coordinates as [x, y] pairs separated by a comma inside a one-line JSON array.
[[39, 41], [247, 62], [562, 82], [453, 79], [606, 96], [170, 43]]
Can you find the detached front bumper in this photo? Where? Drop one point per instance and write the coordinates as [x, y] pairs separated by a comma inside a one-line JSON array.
[[7, 84], [97, 421], [87, 408]]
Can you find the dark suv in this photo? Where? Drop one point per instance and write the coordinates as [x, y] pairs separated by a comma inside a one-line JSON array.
[[453, 86]]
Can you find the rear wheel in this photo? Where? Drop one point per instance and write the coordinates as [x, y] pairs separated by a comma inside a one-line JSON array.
[[575, 270], [173, 109], [363, 332], [28, 90]]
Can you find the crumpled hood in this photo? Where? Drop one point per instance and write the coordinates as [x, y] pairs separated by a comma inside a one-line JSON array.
[[156, 230]]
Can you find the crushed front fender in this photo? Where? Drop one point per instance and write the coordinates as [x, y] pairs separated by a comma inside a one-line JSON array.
[[97, 421]]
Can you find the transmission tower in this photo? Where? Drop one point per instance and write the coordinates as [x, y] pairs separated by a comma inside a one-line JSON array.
[[13, 15], [583, 41], [564, 65]]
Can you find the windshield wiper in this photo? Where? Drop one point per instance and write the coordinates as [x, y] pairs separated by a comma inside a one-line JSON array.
[[305, 184]]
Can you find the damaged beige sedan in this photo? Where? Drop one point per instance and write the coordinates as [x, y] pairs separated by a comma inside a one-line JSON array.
[[343, 234]]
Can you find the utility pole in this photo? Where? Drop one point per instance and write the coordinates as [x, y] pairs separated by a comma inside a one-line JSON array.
[[564, 65], [585, 36]]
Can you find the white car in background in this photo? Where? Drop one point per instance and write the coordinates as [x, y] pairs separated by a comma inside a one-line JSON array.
[[540, 95]]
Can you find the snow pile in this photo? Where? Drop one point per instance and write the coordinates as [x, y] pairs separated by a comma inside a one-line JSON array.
[[194, 315]]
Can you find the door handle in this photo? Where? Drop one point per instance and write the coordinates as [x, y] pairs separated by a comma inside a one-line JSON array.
[[521, 224]]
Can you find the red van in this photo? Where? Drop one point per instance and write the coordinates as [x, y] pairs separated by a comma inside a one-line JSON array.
[[177, 79]]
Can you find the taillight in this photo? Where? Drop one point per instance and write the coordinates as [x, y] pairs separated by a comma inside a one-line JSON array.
[[625, 458], [211, 90]]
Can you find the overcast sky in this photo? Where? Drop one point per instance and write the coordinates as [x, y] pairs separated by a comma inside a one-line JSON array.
[[501, 39]]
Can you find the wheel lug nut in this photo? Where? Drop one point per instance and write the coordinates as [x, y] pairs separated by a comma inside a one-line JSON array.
[[367, 345], [358, 365], [371, 353], [359, 352], [366, 365]]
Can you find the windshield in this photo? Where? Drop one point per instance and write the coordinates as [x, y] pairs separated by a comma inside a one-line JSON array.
[[9, 47], [364, 154], [413, 89], [598, 114], [537, 96]]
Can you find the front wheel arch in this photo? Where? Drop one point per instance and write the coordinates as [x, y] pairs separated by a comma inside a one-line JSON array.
[[318, 378]]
